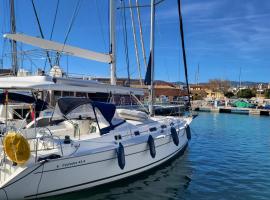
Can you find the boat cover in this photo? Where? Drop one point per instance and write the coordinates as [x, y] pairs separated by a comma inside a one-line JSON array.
[[68, 104], [17, 97]]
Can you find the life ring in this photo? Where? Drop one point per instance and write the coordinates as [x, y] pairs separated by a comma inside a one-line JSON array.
[[152, 147], [174, 136], [121, 156], [16, 147], [188, 132]]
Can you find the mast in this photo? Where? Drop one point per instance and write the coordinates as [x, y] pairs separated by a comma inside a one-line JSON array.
[[151, 95], [240, 74], [183, 49], [112, 42], [14, 59], [197, 74]]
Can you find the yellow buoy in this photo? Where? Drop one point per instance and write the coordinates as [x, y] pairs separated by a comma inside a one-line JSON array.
[[16, 147]]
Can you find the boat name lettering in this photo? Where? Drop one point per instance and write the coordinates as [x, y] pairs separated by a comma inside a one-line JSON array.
[[70, 164]]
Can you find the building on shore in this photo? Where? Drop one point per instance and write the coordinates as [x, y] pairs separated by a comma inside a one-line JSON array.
[[164, 91]]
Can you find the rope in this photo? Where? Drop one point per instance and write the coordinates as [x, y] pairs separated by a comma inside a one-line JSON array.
[[183, 49], [40, 30]]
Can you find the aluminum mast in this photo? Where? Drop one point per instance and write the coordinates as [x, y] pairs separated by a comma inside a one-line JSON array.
[[112, 42], [151, 96]]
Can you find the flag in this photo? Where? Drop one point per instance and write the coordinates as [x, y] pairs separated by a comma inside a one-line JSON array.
[[32, 113]]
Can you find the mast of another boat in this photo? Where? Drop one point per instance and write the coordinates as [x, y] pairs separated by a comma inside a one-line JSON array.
[[112, 42], [151, 89], [14, 59]]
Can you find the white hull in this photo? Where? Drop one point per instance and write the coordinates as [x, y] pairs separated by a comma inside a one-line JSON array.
[[62, 175]]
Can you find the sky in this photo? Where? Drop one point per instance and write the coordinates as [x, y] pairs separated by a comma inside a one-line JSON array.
[[221, 36]]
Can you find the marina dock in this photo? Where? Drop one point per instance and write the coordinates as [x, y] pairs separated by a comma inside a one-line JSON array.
[[233, 110]]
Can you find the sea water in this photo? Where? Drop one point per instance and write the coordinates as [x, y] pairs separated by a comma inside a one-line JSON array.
[[227, 158]]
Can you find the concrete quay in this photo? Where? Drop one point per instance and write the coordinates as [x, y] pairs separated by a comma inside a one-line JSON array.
[[233, 110]]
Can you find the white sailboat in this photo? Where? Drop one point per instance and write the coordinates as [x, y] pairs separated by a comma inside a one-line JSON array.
[[86, 144]]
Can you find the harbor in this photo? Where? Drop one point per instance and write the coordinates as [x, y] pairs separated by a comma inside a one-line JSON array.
[[134, 99], [233, 110], [225, 160]]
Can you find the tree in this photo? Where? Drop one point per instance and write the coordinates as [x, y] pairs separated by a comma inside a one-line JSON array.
[[267, 94], [246, 93], [219, 85], [229, 94], [197, 97]]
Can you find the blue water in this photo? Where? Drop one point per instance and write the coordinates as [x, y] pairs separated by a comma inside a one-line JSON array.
[[228, 158]]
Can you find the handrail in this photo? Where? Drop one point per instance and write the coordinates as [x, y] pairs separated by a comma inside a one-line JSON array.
[[50, 136]]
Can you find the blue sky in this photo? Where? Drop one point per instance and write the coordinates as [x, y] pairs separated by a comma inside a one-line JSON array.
[[221, 35]]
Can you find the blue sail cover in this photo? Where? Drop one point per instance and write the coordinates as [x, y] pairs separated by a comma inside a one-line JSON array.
[[147, 80], [106, 109]]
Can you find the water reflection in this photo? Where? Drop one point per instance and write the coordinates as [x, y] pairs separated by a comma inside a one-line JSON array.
[[167, 181], [227, 158]]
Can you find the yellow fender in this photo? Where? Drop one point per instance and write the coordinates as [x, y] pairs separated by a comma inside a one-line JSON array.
[[16, 147]]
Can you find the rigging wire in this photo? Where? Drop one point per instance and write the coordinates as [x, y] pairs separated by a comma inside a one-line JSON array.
[[141, 34], [100, 24], [141, 6], [3, 52], [74, 15], [4, 18], [135, 43], [124, 26], [4, 30], [40, 30], [54, 21], [108, 26], [183, 48]]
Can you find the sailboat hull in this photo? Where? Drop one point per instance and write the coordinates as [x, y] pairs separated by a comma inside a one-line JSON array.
[[81, 172]]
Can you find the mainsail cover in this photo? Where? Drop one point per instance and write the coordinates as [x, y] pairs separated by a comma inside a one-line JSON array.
[[50, 45]]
